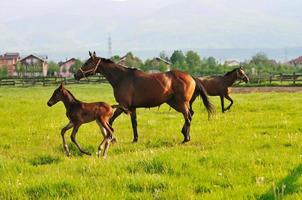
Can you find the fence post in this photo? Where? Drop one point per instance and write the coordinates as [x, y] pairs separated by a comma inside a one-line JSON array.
[[294, 78], [281, 78], [270, 78]]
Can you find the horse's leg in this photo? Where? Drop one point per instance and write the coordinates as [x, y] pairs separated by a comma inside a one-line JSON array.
[[104, 133], [73, 139], [63, 131], [116, 113], [134, 124], [186, 113], [222, 103], [106, 147], [230, 99], [191, 105], [107, 136]]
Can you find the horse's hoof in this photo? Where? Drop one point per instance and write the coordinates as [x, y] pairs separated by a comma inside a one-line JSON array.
[[185, 141], [134, 140], [113, 140]]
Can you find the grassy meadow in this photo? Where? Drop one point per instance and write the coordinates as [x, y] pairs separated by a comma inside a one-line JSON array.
[[252, 152]]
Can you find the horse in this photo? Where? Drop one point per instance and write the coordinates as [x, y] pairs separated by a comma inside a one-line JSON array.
[[134, 89], [219, 85], [80, 113]]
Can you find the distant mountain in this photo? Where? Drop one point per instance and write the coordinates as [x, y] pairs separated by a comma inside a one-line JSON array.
[[222, 28]]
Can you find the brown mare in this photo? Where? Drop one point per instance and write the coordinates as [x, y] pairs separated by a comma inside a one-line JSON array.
[[219, 85], [134, 88], [80, 113]]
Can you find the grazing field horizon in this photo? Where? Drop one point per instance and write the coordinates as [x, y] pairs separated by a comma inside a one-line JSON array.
[[253, 151]]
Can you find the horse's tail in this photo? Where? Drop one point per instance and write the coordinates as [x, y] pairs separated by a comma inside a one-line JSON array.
[[199, 90]]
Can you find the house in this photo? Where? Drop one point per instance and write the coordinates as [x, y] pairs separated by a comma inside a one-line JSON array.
[[9, 61], [35, 65], [65, 67], [232, 63], [296, 61]]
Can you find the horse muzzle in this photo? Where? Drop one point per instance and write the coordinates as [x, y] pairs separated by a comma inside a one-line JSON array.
[[246, 79], [49, 103]]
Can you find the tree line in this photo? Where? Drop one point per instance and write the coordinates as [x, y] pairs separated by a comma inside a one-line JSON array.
[[189, 61]]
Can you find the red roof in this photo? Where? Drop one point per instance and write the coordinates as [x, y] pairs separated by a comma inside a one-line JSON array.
[[7, 56], [296, 60], [62, 63]]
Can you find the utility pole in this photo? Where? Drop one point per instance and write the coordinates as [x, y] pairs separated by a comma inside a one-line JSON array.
[[109, 47]]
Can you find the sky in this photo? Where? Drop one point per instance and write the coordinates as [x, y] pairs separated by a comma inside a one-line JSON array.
[[65, 28]]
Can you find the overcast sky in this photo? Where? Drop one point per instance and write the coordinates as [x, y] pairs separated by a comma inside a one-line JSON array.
[[73, 26]]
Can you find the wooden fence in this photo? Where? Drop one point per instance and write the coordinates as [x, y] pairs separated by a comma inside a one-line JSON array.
[[281, 79], [260, 79], [46, 81]]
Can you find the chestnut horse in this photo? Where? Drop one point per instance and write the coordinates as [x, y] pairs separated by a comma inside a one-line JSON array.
[[80, 113], [219, 85], [134, 88]]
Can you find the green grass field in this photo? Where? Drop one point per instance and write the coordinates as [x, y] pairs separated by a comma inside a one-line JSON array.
[[252, 152]]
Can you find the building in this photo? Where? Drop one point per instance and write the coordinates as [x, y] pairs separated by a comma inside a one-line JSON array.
[[9, 61], [65, 67], [35, 65], [296, 61], [231, 63]]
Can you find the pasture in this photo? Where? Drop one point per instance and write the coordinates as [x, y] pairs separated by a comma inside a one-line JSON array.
[[252, 152]]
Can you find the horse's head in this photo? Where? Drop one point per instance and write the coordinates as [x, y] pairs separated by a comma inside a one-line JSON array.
[[56, 96], [89, 67], [241, 75]]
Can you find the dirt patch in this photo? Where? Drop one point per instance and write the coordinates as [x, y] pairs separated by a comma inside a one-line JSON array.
[[265, 89]]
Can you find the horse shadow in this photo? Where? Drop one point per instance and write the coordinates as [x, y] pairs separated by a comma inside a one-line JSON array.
[[286, 186]]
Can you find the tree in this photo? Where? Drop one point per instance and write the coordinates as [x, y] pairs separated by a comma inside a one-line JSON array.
[[53, 68], [133, 61], [178, 57], [163, 55], [20, 69], [178, 60], [76, 66], [259, 58], [193, 61], [115, 58], [3, 72], [153, 64]]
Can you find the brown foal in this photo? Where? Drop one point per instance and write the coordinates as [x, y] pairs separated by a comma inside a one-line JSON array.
[[80, 113]]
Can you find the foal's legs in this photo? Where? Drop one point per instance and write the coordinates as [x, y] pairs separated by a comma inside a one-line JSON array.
[[73, 139], [63, 131], [107, 137], [231, 100], [134, 124]]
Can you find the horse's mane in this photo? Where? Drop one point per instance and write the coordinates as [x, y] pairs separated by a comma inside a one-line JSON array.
[[230, 72], [106, 60], [73, 97]]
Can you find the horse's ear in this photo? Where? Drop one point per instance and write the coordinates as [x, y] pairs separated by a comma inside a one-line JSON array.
[[61, 86], [94, 54], [90, 54]]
